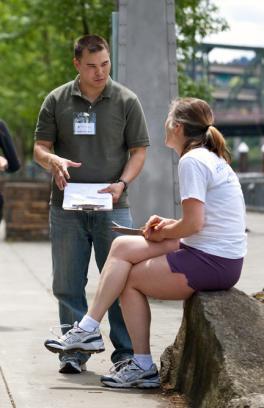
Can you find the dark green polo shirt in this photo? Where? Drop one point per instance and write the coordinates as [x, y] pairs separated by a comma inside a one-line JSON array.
[[120, 125]]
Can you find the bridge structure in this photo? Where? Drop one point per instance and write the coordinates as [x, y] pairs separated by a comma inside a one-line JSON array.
[[238, 89]]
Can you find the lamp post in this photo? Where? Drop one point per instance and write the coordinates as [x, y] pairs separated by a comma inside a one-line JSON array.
[[243, 157], [262, 158]]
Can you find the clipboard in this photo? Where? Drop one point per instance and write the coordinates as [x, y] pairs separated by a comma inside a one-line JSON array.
[[85, 197], [126, 230], [129, 231]]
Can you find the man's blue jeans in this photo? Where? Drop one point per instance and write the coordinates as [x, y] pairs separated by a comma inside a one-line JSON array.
[[73, 233]]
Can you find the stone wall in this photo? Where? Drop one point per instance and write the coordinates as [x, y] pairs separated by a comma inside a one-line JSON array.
[[26, 210], [217, 359]]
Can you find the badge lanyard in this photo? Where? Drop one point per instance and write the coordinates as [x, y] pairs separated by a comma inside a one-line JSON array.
[[84, 123]]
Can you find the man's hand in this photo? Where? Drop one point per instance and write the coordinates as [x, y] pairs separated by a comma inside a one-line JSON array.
[[116, 189], [59, 169], [3, 163]]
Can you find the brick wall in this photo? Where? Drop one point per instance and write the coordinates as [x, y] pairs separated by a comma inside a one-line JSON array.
[[26, 210]]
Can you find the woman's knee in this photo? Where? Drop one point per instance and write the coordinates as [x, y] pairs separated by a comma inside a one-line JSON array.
[[120, 246]]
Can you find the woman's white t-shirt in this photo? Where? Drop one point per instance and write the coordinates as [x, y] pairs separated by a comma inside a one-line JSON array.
[[210, 179]]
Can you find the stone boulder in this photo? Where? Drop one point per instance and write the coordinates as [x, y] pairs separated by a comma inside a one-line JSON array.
[[217, 359]]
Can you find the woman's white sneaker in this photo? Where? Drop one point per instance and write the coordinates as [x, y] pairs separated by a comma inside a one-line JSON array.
[[77, 339], [132, 376]]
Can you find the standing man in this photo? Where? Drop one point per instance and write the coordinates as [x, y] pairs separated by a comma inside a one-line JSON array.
[[90, 130]]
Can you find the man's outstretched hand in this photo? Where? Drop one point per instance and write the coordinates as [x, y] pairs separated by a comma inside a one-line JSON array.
[[59, 169]]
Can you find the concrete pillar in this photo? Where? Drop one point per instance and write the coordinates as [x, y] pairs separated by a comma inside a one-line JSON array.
[[147, 65]]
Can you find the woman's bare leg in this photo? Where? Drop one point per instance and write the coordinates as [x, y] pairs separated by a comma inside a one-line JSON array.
[[152, 278], [125, 252]]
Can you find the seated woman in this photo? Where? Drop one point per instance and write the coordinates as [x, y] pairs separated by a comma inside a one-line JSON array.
[[202, 251]]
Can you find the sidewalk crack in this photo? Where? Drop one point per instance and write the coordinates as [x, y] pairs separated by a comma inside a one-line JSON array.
[[7, 388]]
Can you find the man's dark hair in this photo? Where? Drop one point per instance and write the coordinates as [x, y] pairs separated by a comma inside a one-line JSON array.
[[93, 43]]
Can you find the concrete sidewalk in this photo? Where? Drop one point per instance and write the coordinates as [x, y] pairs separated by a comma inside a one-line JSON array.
[[29, 375]]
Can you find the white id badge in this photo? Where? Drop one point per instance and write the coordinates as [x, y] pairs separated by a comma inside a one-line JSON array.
[[84, 123]]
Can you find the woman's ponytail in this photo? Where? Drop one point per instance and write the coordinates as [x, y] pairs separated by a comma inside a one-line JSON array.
[[215, 142], [197, 118]]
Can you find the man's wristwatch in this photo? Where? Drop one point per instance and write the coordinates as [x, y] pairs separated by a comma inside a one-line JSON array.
[[124, 182]]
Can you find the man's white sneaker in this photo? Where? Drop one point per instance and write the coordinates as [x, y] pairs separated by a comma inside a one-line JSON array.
[[132, 376], [77, 339], [71, 365]]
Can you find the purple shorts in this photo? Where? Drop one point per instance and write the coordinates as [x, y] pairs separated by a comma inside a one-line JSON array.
[[204, 271]]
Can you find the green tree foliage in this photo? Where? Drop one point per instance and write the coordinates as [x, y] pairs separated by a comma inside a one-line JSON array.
[[195, 19], [36, 47]]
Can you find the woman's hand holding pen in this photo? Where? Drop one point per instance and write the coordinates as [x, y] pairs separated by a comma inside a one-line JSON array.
[[153, 230]]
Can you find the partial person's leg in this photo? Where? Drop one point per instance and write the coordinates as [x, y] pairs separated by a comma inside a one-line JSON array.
[[1, 206], [71, 249], [103, 237]]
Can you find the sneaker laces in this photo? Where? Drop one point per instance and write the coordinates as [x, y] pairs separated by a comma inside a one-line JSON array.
[[74, 327], [132, 365], [119, 364]]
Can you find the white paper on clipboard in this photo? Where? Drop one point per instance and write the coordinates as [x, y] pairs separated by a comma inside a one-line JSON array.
[[85, 197]]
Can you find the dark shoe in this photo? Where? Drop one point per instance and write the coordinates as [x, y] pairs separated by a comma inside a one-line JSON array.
[[71, 365]]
